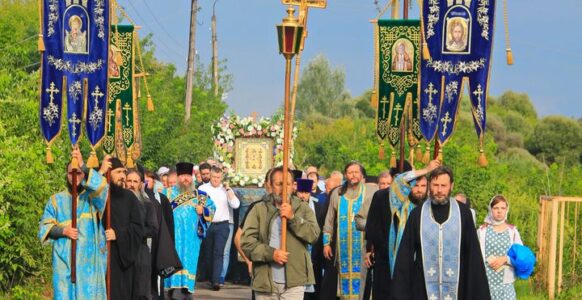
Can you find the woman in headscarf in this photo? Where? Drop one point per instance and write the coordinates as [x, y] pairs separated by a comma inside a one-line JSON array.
[[496, 237]]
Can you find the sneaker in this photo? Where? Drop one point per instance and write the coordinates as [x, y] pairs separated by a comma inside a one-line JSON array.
[[221, 284]]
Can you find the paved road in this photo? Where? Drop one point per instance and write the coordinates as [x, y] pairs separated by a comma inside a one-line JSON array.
[[229, 291]]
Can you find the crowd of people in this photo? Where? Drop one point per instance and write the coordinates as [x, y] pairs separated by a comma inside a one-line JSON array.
[[400, 235]]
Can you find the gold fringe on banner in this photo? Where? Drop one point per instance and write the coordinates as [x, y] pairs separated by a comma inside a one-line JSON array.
[[150, 103], [440, 156], [41, 47], [426, 157], [418, 153], [508, 52], [49, 155], [381, 152], [93, 161], [393, 159], [483, 162], [129, 163]]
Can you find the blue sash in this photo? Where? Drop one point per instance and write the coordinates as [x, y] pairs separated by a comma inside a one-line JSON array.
[[349, 244], [441, 247]]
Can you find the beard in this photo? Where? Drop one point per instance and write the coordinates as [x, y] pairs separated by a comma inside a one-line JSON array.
[[436, 201], [417, 200], [80, 188]]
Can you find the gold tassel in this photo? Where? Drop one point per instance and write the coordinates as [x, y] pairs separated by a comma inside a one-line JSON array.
[[419, 153], [150, 103], [440, 156], [393, 159], [425, 52], [49, 156], [129, 162], [93, 161], [482, 159], [381, 152], [509, 56], [426, 157], [41, 47], [411, 157]]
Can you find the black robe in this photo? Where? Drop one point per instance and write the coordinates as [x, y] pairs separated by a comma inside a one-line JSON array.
[[377, 225], [127, 222], [165, 260], [142, 284], [408, 279]]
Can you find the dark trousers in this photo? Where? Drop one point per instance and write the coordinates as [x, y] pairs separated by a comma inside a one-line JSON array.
[[215, 241]]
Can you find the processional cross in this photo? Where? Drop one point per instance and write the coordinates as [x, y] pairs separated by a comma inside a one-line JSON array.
[[110, 114], [398, 108]]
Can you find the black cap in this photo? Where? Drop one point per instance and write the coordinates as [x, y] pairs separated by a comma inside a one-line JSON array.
[[184, 168], [116, 163], [304, 185]]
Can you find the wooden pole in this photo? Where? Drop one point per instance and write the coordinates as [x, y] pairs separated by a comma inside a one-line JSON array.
[[541, 230], [108, 220], [437, 148], [74, 170], [552, 257], [403, 122], [286, 145], [191, 61], [214, 50], [561, 248]]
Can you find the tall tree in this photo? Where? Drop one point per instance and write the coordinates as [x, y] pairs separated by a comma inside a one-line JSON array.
[[321, 90], [556, 138]]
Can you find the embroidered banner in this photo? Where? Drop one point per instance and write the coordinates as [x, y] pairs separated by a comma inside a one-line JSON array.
[[74, 65], [398, 65], [121, 64], [459, 35]]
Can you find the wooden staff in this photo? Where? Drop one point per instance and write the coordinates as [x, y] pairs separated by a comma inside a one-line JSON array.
[[403, 122], [74, 170], [108, 219]]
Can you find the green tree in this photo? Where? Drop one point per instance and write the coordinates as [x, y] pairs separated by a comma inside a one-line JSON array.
[[321, 90], [556, 139]]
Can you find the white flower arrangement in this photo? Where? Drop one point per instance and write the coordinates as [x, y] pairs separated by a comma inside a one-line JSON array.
[[229, 128]]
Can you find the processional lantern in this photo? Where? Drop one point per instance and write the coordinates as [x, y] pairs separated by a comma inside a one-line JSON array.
[[290, 33]]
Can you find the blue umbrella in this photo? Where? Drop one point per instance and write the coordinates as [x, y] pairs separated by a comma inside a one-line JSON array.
[[522, 259]]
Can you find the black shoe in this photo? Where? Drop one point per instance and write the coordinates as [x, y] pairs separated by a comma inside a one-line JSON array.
[[216, 288]]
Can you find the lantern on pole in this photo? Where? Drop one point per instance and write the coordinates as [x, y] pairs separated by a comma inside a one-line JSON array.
[[289, 36]]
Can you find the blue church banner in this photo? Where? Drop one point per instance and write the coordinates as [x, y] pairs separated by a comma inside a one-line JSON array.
[[459, 36], [74, 67]]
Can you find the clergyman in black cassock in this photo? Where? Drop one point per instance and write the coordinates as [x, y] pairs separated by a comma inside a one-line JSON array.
[[408, 281], [127, 224]]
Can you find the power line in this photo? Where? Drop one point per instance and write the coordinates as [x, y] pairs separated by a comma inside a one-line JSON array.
[[19, 42], [160, 24]]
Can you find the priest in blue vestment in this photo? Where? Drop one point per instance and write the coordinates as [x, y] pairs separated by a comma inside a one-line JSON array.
[[56, 230], [193, 211], [439, 256]]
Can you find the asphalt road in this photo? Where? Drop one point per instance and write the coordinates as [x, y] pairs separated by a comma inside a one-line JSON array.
[[229, 291]]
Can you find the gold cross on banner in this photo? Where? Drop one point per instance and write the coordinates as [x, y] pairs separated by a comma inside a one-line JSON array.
[[384, 102], [96, 94], [127, 108], [75, 121], [430, 91], [51, 91], [398, 108], [446, 120], [110, 119]]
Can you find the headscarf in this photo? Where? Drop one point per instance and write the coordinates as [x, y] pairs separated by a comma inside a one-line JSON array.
[[489, 218]]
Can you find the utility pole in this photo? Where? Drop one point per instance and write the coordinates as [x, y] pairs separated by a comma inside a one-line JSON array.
[[214, 50], [191, 61]]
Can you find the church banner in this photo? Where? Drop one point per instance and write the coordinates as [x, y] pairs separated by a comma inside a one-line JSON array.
[[459, 36], [398, 43], [121, 98], [75, 40]]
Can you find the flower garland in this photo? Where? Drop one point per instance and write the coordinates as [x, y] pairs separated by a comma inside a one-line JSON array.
[[227, 129]]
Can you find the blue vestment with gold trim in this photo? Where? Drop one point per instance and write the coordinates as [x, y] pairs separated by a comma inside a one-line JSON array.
[[187, 240], [91, 247], [350, 245]]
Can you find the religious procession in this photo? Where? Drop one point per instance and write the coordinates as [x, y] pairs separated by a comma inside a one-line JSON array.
[[402, 192]]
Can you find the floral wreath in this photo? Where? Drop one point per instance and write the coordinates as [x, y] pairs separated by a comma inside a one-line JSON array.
[[227, 129]]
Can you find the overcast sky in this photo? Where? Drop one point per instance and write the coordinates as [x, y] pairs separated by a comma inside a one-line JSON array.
[[546, 43]]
